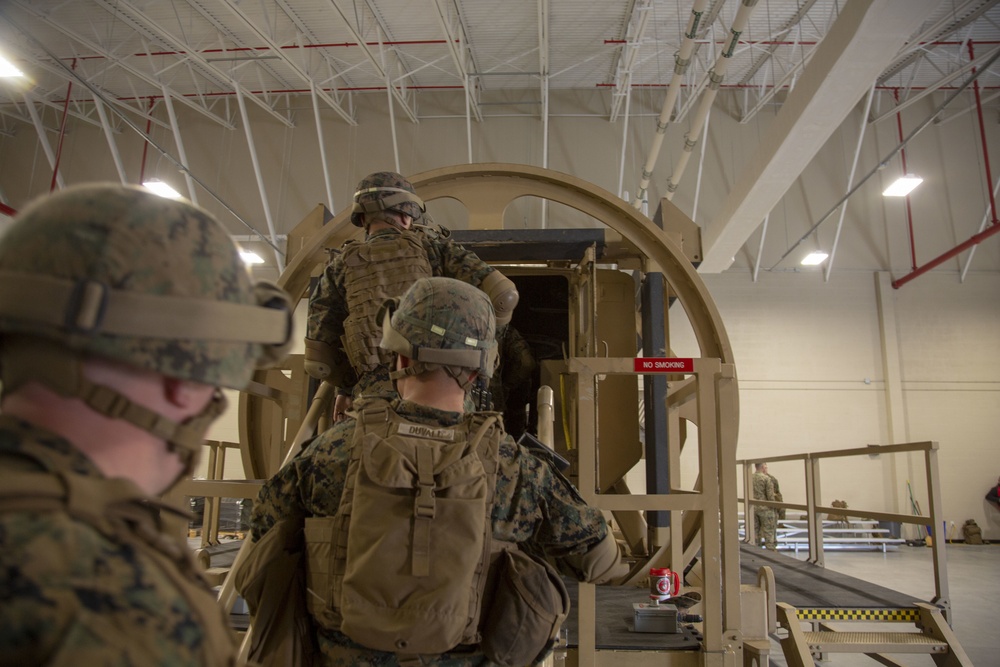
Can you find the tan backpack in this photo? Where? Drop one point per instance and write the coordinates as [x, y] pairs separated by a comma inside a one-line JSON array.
[[404, 561]]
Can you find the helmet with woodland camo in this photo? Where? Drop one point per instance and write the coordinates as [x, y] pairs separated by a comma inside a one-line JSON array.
[[441, 323], [117, 272], [385, 191]]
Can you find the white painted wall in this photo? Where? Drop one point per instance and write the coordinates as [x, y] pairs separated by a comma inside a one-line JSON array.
[[804, 350]]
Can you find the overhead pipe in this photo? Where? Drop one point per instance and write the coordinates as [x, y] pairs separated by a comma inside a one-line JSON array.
[[760, 248], [62, 135], [981, 236], [715, 77], [42, 138], [181, 154], [110, 137], [145, 144], [621, 162], [681, 62], [278, 257], [982, 137], [982, 226], [322, 149], [906, 199], [850, 181]]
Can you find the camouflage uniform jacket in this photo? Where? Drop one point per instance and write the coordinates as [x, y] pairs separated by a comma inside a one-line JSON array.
[[328, 307], [534, 506], [763, 488], [72, 595]]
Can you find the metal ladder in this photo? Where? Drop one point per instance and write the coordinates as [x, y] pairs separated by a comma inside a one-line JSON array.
[[934, 636]]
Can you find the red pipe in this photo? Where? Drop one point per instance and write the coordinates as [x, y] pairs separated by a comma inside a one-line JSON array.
[[62, 134], [909, 211], [7, 210], [975, 240], [982, 137], [981, 236]]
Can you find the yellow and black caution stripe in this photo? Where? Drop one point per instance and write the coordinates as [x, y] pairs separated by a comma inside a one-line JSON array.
[[896, 614]]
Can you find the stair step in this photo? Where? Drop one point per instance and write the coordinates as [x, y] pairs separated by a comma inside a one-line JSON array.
[[873, 642]]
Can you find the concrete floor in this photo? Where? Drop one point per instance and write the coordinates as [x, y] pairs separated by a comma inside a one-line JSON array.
[[974, 587]]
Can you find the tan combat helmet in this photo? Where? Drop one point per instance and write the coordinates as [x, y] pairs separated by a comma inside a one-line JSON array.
[[120, 273], [441, 323], [385, 191]]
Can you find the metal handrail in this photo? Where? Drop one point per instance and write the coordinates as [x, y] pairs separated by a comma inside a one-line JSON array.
[[815, 510]]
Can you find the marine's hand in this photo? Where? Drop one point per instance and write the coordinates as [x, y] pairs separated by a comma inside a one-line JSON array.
[[340, 407]]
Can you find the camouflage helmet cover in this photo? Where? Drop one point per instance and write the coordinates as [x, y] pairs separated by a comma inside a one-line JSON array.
[[129, 245], [442, 322], [385, 190]]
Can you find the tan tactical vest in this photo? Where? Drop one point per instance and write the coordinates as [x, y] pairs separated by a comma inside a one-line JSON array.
[[403, 564], [378, 269]]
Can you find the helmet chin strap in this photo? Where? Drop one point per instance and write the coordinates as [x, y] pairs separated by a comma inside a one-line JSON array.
[[27, 359]]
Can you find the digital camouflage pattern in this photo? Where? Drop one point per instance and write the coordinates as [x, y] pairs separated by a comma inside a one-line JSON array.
[[368, 190], [534, 506], [445, 314], [780, 514], [328, 306], [383, 267], [765, 519], [73, 595], [128, 238]]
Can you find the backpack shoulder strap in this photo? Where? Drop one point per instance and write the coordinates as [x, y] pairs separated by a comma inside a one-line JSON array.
[[84, 498]]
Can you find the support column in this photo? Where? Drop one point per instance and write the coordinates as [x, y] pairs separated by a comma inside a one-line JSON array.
[[896, 431]]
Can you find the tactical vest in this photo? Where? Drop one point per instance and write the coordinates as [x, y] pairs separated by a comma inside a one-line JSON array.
[[119, 511], [402, 565], [382, 267]]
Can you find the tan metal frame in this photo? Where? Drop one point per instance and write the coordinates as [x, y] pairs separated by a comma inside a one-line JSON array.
[[815, 510], [269, 413]]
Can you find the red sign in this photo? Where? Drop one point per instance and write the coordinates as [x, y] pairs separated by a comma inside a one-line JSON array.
[[663, 365]]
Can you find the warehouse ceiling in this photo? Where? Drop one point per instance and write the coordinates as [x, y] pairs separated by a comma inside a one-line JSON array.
[[203, 53]]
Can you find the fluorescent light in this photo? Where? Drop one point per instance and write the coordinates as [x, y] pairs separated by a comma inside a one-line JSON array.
[[815, 258], [903, 186], [251, 257], [7, 68], [159, 187]]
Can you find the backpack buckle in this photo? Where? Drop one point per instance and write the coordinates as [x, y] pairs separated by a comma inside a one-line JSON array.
[[424, 504]]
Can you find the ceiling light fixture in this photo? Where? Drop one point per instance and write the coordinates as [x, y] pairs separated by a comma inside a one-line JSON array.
[[251, 257], [903, 186], [157, 186], [815, 258], [7, 68]]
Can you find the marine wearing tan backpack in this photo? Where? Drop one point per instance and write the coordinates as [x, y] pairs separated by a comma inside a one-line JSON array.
[[415, 513], [406, 574]]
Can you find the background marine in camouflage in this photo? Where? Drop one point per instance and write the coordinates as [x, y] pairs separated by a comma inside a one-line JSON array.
[[765, 518], [342, 335], [121, 313], [535, 507]]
